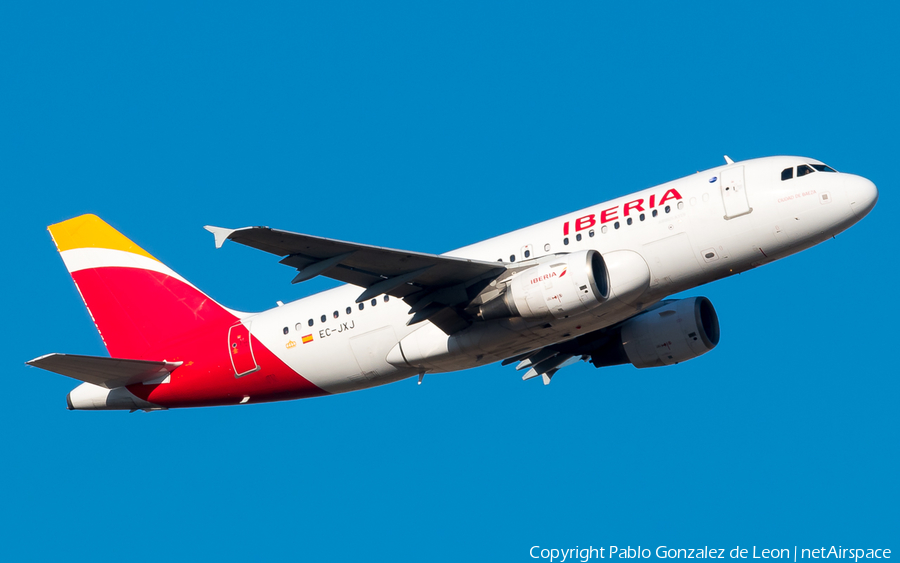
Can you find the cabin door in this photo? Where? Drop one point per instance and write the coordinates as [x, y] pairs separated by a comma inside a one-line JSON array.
[[240, 350], [734, 192]]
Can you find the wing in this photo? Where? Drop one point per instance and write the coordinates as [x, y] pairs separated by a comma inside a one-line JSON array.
[[548, 360], [601, 347], [544, 362], [437, 287], [105, 372]]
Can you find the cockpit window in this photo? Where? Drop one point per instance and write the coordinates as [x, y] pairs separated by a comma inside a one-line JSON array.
[[804, 169]]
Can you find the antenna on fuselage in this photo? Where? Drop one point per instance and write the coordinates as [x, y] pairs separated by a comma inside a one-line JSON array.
[[728, 160]]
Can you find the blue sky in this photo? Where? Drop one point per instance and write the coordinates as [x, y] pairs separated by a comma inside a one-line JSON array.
[[428, 127]]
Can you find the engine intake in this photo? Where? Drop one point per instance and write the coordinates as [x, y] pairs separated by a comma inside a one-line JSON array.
[[675, 332]]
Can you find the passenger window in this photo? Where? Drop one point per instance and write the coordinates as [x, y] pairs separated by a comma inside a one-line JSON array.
[[591, 233], [349, 309], [787, 173], [603, 229], [629, 221], [616, 225], [642, 217], [527, 254], [298, 327], [655, 212], [374, 302], [324, 318], [362, 306], [680, 205], [386, 297], [803, 170], [512, 257], [578, 237], [286, 330], [336, 314], [668, 209], [566, 240], [311, 322], [547, 247]]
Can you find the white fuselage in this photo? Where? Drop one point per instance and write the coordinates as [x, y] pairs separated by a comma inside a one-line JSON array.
[[724, 221]]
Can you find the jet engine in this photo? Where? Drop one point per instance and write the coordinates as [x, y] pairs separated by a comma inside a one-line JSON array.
[[561, 286], [677, 331]]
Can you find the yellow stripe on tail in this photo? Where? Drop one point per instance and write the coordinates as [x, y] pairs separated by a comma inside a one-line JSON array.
[[90, 231]]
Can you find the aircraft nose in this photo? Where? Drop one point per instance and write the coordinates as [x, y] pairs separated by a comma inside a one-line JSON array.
[[863, 195]]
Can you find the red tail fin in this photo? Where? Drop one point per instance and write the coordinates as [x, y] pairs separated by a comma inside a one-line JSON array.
[[141, 308]]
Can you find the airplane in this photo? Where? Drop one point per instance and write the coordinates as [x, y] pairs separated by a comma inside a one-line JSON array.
[[592, 285]]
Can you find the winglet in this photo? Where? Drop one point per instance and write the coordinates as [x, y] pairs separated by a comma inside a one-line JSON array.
[[220, 233]]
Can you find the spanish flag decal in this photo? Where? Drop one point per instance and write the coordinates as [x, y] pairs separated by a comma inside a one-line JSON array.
[[307, 339]]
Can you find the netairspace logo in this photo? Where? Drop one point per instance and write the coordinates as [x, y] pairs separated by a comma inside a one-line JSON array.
[[585, 554]]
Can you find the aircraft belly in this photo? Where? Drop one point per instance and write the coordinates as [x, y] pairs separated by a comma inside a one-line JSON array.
[[431, 350], [370, 350]]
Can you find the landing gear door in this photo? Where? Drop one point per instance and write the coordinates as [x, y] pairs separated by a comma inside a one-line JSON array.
[[240, 350], [734, 192]]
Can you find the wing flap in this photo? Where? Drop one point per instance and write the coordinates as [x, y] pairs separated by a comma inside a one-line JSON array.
[[103, 371], [546, 361]]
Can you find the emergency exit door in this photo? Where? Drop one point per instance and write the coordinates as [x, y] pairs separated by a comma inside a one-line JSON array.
[[240, 349], [734, 192]]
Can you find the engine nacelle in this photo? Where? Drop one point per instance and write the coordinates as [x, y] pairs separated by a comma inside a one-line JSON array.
[[561, 286], [676, 332], [673, 332]]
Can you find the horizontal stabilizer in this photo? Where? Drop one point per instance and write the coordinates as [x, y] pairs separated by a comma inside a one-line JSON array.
[[102, 371]]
